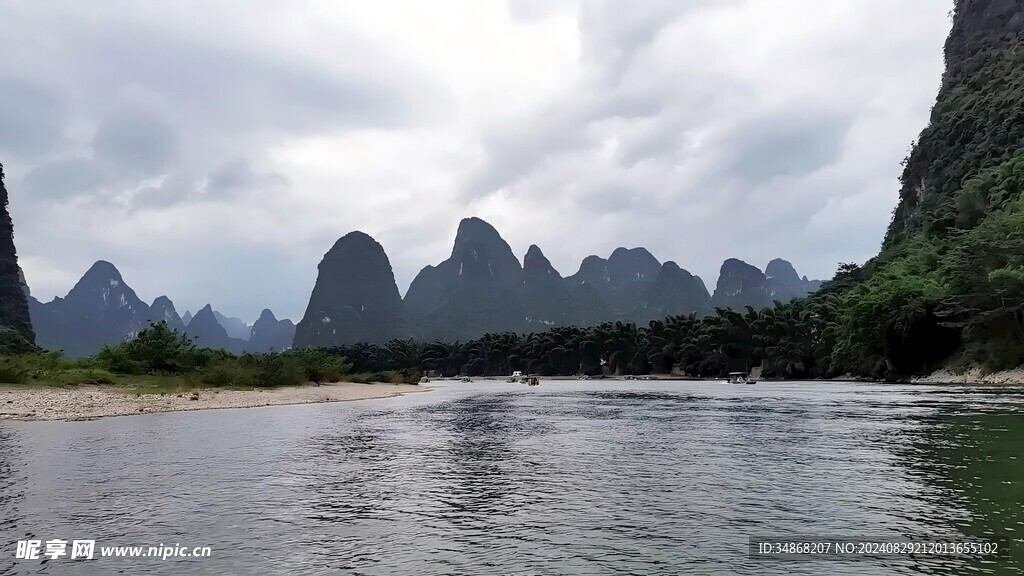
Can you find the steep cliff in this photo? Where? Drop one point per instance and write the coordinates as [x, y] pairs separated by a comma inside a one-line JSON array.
[[674, 292], [14, 312], [740, 285], [355, 298], [476, 290], [618, 281], [977, 120], [544, 295]]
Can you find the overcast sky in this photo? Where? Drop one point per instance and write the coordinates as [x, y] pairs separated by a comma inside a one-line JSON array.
[[213, 151]]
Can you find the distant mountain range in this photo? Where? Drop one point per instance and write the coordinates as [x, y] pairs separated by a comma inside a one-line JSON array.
[[480, 288], [103, 309]]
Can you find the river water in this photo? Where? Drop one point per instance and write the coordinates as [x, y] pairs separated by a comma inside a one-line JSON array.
[[589, 477]]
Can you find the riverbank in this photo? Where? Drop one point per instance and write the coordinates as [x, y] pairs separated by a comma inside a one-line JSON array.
[[974, 376], [89, 402]]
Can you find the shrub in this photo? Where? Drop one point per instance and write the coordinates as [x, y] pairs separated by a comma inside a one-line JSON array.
[[320, 366], [116, 359], [279, 370]]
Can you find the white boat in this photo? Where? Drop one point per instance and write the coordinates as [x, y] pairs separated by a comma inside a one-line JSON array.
[[740, 378]]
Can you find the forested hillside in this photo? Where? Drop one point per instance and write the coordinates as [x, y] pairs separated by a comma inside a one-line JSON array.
[[948, 285]]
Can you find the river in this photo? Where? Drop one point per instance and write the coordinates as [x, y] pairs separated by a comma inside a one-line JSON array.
[[572, 477]]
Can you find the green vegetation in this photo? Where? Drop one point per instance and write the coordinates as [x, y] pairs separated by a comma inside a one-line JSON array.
[[789, 340], [161, 360]]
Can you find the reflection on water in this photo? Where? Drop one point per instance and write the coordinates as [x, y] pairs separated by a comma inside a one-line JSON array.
[[570, 478]]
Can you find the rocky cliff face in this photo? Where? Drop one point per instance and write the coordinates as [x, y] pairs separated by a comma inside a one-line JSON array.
[[544, 295], [270, 334], [784, 284], [14, 312], [162, 310], [618, 281], [355, 298], [739, 285], [476, 290], [206, 332], [100, 309], [24, 283], [674, 292], [977, 120]]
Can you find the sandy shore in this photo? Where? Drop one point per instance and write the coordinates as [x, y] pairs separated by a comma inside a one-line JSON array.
[[91, 402], [1013, 377]]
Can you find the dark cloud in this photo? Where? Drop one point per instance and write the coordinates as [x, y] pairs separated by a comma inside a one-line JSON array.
[[137, 141], [31, 118], [63, 179], [793, 143], [238, 89], [238, 176]]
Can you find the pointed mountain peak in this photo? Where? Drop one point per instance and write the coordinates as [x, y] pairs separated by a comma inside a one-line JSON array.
[[267, 316], [475, 227], [670, 266], [476, 231], [354, 238], [102, 270], [208, 309], [162, 302], [536, 260]]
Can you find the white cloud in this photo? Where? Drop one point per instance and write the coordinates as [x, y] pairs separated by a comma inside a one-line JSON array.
[[217, 158]]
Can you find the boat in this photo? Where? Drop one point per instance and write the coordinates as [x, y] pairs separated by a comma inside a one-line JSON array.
[[466, 379], [517, 378], [740, 378], [533, 381]]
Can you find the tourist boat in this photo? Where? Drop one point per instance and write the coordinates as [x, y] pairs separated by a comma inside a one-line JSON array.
[[517, 377], [740, 378], [533, 381]]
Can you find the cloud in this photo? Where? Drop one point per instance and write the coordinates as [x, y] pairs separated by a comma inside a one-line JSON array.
[[792, 143], [217, 157], [237, 176], [137, 141], [31, 117], [63, 179]]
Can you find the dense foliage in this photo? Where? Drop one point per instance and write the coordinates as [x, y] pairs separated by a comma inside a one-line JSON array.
[[791, 340], [160, 352]]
